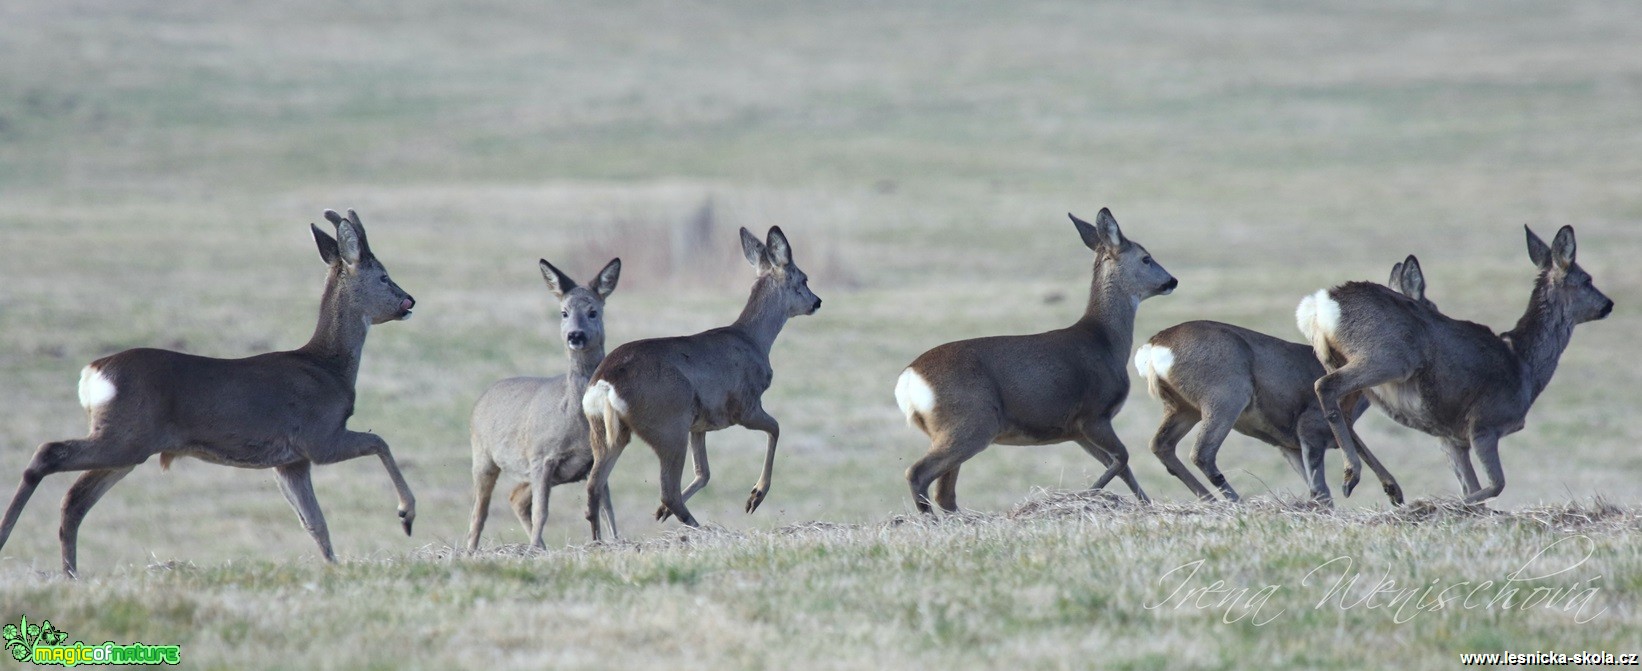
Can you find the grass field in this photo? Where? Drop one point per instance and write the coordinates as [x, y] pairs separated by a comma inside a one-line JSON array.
[[159, 164]]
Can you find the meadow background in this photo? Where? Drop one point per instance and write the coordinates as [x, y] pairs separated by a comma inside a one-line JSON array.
[[160, 162]]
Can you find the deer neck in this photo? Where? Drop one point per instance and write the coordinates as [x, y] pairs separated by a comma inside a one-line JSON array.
[[761, 320], [339, 337], [1540, 337], [582, 364], [1110, 309]]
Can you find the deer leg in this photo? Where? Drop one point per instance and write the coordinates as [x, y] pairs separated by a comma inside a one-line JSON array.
[[538, 511], [1176, 424], [946, 453], [598, 478], [762, 421], [520, 500], [946, 490], [1486, 445], [1101, 434], [353, 444], [1217, 424], [66, 455], [1338, 386], [80, 498], [1459, 458], [670, 449], [484, 482], [1393, 491], [1315, 437], [296, 482], [698, 457]]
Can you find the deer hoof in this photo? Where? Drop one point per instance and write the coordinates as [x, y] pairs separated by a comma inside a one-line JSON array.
[[1352, 478], [406, 517], [754, 499], [1395, 493], [663, 513]]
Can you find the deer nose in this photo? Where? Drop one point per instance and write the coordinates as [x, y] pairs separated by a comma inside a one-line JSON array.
[[576, 338], [1606, 310], [1170, 285], [407, 304]]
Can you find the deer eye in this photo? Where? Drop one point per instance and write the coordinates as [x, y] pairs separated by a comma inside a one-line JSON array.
[[564, 315], [593, 314], [1146, 260], [384, 279]]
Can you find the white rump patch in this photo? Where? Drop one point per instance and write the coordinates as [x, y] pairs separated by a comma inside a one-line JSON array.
[[593, 400], [96, 389], [914, 395], [1153, 362], [1318, 318]]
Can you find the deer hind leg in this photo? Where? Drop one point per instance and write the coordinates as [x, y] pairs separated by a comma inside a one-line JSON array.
[[598, 477], [698, 457], [1177, 422], [1341, 385], [353, 444], [947, 451], [1101, 434], [762, 421], [520, 500], [1217, 425], [671, 446], [946, 490], [296, 482], [1459, 458], [484, 483], [80, 498], [67, 455], [1393, 491], [1486, 445]]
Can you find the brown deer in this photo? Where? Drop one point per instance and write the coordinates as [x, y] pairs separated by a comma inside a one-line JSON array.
[[1453, 379], [1052, 387], [1232, 378], [532, 428], [281, 410], [671, 391]]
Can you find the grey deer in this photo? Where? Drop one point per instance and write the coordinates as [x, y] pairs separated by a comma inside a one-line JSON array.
[[1228, 377], [1453, 379], [532, 428], [280, 410], [1052, 387], [671, 391]]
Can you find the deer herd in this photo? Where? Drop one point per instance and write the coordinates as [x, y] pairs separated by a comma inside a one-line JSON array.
[[1366, 344]]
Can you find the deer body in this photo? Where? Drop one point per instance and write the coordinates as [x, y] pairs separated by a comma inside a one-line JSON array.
[[1232, 378], [282, 410], [532, 428], [1065, 384], [671, 392], [1453, 379]]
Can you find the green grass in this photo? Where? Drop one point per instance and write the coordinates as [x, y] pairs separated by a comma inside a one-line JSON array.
[[159, 164]]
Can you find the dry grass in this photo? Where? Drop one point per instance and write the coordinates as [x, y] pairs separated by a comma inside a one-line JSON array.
[[160, 164]]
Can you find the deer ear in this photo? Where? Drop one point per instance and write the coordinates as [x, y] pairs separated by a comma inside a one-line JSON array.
[[557, 281], [1396, 281], [777, 248], [1091, 239], [1106, 226], [327, 246], [605, 283], [753, 250], [1538, 251], [364, 240], [1412, 281], [1563, 248], [350, 243]]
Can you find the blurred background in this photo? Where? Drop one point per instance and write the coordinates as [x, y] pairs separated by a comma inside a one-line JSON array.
[[160, 162]]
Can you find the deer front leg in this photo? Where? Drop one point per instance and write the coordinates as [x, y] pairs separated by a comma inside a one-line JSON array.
[[698, 457], [1486, 444], [762, 421], [1459, 458], [80, 498], [484, 483], [1100, 433], [351, 444], [1393, 491], [296, 482]]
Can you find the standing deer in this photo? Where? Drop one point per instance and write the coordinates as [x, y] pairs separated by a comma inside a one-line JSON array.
[[281, 410], [1453, 379], [1038, 389], [1229, 377], [532, 428], [672, 391]]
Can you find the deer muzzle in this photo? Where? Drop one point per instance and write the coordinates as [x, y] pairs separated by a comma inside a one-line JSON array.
[[405, 308]]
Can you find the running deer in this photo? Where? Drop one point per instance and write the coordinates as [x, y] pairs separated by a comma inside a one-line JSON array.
[[671, 391], [1052, 387], [281, 410], [532, 428], [1229, 377], [1453, 379]]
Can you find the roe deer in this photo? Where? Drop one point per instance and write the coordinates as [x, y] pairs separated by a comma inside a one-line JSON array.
[[1038, 389], [1229, 377], [1453, 379], [672, 391], [281, 410], [532, 428]]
